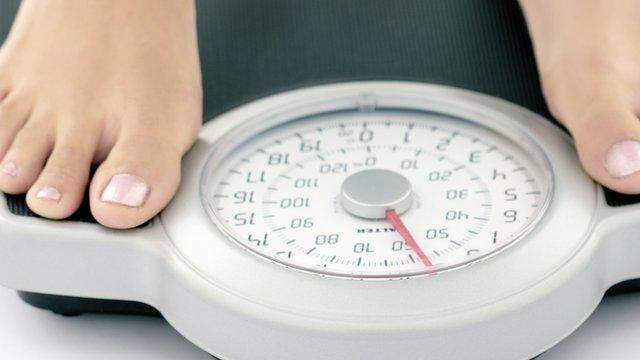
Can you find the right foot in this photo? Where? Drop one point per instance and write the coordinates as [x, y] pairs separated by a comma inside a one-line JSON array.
[[112, 83], [588, 55]]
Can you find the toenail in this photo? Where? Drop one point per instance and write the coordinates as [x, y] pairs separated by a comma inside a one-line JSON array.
[[623, 158], [49, 193], [125, 189], [10, 169]]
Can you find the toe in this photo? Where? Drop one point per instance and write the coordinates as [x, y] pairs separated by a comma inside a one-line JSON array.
[[606, 131], [26, 156], [136, 181], [14, 111], [608, 144], [60, 187]]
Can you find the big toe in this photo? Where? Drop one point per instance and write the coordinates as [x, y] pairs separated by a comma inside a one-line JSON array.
[[609, 148], [136, 181], [606, 131]]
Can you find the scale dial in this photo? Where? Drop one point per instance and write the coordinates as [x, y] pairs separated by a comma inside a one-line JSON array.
[[375, 194]]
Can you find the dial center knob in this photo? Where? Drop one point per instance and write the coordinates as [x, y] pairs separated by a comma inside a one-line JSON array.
[[370, 193]]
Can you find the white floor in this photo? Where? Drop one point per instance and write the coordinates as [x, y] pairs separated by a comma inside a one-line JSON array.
[[26, 333]]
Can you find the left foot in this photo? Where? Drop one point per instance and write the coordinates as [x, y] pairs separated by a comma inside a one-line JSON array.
[[588, 55], [113, 83]]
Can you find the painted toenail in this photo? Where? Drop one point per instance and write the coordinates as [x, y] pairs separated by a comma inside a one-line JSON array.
[[10, 169], [623, 158], [49, 193], [125, 189]]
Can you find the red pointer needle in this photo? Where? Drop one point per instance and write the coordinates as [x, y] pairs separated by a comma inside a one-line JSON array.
[[393, 217]]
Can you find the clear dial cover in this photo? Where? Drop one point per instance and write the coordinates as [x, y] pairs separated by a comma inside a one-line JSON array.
[[469, 192]]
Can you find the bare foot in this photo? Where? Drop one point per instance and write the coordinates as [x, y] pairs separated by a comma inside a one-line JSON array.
[[588, 54], [114, 83]]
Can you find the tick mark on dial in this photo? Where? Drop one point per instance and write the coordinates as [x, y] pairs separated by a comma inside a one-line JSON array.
[[283, 252]]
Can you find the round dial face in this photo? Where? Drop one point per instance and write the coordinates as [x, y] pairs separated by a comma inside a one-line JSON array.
[[380, 194]]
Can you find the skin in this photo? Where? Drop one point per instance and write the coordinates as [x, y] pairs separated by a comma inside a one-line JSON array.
[[85, 84], [588, 58]]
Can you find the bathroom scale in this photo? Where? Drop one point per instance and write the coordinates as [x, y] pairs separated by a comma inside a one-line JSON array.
[[393, 189], [366, 220]]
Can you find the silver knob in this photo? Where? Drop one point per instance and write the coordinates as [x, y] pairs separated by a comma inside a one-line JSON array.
[[370, 193]]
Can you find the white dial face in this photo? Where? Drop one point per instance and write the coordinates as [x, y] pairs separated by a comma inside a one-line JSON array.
[[442, 193]]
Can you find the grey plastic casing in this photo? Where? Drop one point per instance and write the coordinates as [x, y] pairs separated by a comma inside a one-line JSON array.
[[235, 305]]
